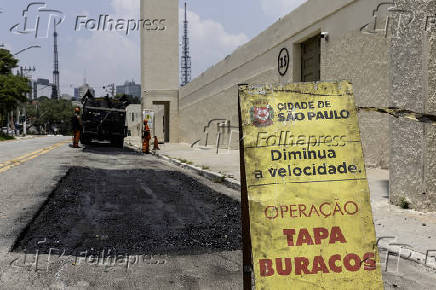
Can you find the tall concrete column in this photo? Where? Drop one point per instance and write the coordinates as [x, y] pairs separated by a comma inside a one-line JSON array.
[[160, 64], [413, 142]]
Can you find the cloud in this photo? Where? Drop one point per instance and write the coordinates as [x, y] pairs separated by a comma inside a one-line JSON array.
[[279, 8], [126, 8], [112, 57], [209, 41], [106, 57]]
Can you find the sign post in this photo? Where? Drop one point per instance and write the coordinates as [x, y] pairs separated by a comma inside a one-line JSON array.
[[245, 218], [310, 218]]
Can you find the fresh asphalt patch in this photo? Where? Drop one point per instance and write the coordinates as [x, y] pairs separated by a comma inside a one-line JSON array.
[[137, 211]]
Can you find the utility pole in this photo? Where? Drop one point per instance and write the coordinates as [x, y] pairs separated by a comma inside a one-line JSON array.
[[25, 121], [24, 70], [23, 73]]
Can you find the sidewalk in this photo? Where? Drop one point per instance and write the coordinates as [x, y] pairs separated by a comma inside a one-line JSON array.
[[21, 138], [414, 230], [226, 162]]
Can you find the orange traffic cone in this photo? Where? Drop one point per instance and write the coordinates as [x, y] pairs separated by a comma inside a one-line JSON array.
[[156, 144]]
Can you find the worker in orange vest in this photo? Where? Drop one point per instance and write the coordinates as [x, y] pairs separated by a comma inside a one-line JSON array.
[[77, 127], [146, 138]]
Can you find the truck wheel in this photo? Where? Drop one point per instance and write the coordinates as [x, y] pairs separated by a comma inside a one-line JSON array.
[[118, 142], [85, 140]]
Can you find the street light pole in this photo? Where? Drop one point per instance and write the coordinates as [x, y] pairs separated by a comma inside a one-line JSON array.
[[25, 121]]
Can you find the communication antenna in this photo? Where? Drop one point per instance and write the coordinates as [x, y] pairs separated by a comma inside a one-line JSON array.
[[56, 88], [186, 58]]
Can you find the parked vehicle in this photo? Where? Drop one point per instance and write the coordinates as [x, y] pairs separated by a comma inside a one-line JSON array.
[[103, 119], [7, 131]]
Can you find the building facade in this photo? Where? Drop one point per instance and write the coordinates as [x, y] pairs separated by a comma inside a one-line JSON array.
[[81, 91], [129, 88], [76, 94], [385, 48], [134, 120], [160, 65], [41, 88]]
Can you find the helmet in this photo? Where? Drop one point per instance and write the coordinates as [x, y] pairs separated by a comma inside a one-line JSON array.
[[77, 110]]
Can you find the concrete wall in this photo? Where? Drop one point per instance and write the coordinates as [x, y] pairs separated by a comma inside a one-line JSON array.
[[362, 58], [160, 45], [134, 120], [387, 49], [413, 142], [160, 61], [157, 100]]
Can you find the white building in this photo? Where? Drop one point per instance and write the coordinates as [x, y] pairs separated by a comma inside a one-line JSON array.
[[84, 88], [134, 120], [129, 88], [41, 88]]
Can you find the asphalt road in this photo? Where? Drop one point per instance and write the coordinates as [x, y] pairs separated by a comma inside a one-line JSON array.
[[105, 218], [29, 170]]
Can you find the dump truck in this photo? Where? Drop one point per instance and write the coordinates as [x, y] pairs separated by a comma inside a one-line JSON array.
[[103, 119]]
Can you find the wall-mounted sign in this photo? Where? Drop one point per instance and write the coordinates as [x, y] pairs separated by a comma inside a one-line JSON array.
[[283, 61]]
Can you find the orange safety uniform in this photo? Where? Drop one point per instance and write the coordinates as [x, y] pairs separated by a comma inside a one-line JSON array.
[[146, 138], [76, 138], [77, 127]]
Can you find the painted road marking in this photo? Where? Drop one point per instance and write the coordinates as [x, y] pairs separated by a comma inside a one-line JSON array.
[[5, 166]]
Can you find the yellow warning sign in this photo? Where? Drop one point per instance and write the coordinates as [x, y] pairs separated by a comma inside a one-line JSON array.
[[310, 214]]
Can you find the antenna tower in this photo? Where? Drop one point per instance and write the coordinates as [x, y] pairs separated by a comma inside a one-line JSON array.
[[56, 88], [186, 58]]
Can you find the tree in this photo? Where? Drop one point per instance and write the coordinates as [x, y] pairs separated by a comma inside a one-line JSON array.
[[13, 88], [129, 98], [7, 62], [13, 91], [47, 114]]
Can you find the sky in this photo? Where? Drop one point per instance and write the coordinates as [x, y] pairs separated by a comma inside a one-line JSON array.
[[216, 29]]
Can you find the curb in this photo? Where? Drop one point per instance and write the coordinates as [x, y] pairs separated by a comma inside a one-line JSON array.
[[399, 250], [213, 176], [132, 147]]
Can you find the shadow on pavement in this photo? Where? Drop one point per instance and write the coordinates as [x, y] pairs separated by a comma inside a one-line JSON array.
[[134, 212], [107, 148]]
